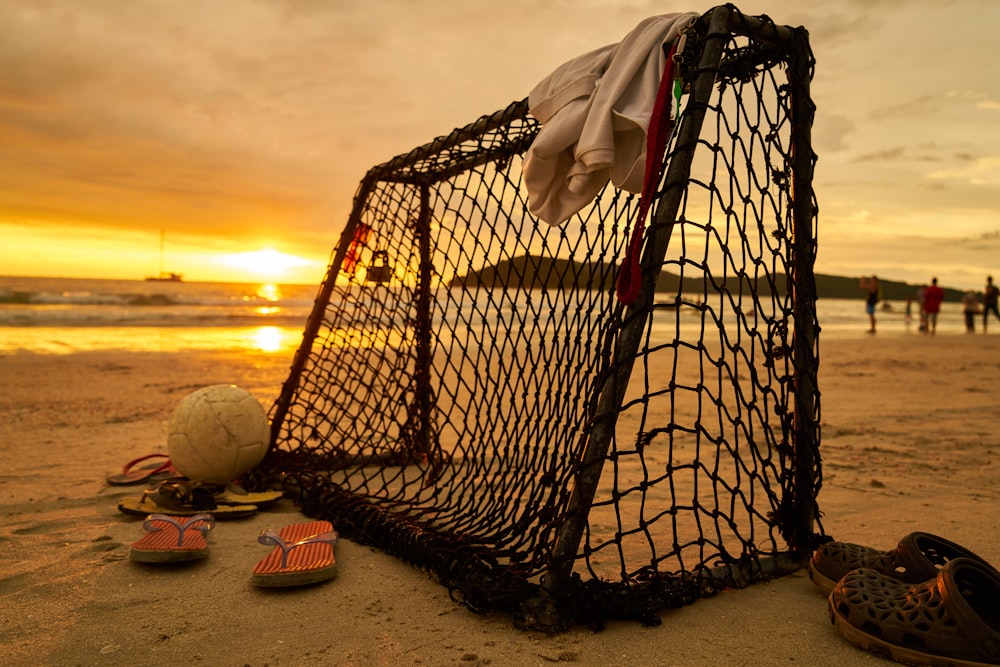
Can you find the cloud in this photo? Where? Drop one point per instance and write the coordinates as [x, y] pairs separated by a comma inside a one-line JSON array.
[[831, 132], [223, 119], [922, 105], [958, 260], [925, 152], [981, 171]]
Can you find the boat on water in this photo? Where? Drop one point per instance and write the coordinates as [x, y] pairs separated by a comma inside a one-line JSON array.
[[164, 276]]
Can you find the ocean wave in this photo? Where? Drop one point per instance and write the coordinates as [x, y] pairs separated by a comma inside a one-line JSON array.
[[75, 302]]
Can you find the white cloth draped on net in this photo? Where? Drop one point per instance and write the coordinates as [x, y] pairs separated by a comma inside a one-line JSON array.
[[595, 111]]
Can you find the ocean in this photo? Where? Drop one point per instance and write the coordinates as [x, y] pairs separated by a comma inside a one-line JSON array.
[[66, 315]]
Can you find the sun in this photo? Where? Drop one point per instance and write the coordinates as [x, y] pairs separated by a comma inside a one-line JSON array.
[[267, 263]]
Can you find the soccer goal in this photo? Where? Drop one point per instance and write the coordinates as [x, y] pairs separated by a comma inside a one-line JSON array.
[[472, 396]]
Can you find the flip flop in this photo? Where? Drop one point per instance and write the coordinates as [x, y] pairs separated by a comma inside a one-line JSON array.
[[186, 498], [302, 554], [159, 468], [186, 494], [171, 539], [953, 619], [145, 506], [236, 495]]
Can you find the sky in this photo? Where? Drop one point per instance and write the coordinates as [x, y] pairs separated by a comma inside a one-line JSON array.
[[240, 129]]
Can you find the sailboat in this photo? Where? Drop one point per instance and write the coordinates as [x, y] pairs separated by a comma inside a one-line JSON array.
[[164, 276]]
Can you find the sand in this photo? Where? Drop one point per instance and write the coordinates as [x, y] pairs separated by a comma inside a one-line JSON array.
[[909, 442]]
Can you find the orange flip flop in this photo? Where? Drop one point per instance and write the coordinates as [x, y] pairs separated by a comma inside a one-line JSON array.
[[172, 539], [303, 554]]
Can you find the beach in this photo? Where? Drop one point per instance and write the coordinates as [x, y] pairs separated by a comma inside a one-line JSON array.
[[909, 443]]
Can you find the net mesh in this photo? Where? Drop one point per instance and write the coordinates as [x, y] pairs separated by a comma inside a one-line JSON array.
[[471, 396]]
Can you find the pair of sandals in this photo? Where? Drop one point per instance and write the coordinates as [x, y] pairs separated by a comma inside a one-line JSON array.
[[183, 497], [303, 552], [930, 601]]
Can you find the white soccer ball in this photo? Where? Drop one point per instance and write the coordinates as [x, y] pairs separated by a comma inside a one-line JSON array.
[[217, 433]]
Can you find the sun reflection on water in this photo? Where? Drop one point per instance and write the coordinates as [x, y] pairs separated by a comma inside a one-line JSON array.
[[269, 339], [269, 292], [69, 340], [267, 310]]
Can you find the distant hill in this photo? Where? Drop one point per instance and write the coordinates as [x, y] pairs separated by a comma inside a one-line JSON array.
[[541, 272], [842, 287]]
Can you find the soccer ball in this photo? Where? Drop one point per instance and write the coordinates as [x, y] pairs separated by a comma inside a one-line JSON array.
[[217, 433]]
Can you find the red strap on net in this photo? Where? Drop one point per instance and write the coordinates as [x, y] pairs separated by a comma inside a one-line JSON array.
[[360, 238], [660, 126]]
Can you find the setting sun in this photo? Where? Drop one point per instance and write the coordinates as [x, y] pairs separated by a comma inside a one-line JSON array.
[[267, 262]]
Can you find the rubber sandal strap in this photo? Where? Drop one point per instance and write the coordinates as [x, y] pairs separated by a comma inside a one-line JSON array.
[[131, 475], [972, 590], [200, 522], [269, 537], [926, 553]]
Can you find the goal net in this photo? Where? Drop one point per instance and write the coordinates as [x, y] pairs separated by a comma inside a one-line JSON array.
[[471, 395]]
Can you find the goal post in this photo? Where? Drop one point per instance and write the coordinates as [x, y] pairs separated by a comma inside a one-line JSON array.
[[471, 396]]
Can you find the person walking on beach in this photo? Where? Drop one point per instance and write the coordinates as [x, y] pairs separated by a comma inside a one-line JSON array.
[[920, 305], [970, 306], [933, 296], [870, 286], [990, 295]]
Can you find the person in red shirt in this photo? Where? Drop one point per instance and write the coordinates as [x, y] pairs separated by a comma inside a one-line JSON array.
[[933, 296]]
